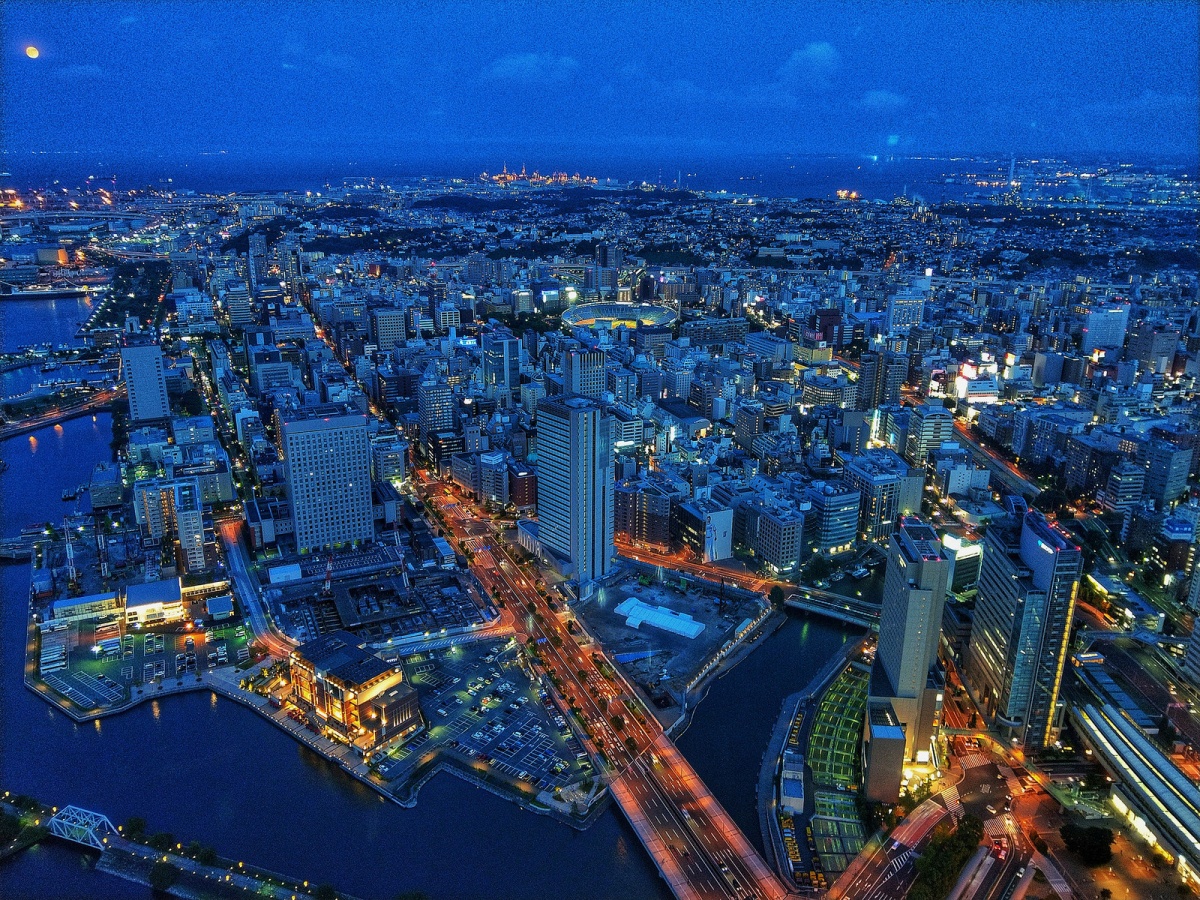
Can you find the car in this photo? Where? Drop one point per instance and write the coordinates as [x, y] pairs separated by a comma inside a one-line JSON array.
[[442, 712], [991, 809]]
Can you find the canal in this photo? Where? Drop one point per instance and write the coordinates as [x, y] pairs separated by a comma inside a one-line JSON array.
[[209, 770]]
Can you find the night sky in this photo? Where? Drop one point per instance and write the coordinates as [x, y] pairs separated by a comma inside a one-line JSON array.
[[396, 81]]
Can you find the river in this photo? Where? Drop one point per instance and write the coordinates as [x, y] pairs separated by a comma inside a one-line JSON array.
[[209, 770]]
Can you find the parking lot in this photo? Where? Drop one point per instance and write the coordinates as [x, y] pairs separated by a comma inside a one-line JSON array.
[[481, 706], [104, 665]]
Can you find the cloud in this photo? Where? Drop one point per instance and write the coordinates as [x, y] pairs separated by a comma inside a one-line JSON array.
[[331, 60], [813, 62], [80, 72], [531, 68], [882, 101]]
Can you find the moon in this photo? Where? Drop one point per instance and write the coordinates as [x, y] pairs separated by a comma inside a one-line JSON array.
[[32, 52]]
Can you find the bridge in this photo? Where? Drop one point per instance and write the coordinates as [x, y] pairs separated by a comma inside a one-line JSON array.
[[82, 826], [851, 610], [97, 401]]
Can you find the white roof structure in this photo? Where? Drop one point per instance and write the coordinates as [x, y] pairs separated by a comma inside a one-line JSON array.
[[636, 612]]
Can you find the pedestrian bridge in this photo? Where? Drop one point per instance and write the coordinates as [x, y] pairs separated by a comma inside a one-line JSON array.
[[81, 826]]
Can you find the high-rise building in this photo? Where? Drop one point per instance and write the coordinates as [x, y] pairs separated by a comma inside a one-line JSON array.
[[388, 328], [1104, 324], [501, 361], [146, 382], [748, 423], [831, 524], [890, 488], [1167, 467], [327, 464], [176, 505], [906, 309], [583, 373], [1019, 639], [435, 407], [928, 428], [575, 485], [880, 379], [910, 623]]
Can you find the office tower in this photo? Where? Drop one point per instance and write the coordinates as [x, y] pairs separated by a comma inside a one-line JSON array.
[[1167, 467], [1019, 639], [435, 407], [583, 373], [748, 423], [1124, 488], [831, 524], [928, 428], [1104, 325], [575, 485], [388, 328], [146, 382], [257, 262], [163, 507], [501, 361], [910, 623], [880, 379], [608, 256], [906, 309], [327, 464], [237, 305], [889, 489]]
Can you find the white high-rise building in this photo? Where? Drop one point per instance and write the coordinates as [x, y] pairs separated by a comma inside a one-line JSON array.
[[146, 381], [575, 485], [583, 373], [327, 459], [906, 309], [1104, 325]]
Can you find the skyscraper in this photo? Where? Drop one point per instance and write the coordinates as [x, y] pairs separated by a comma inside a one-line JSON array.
[[575, 485], [327, 460], [583, 373], [435, 406], [880, 379], [501, 361], [929, 426], [146, 382], [1019, 639], [905, 688]]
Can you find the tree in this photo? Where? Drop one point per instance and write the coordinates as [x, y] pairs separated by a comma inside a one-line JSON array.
[[135, 828], [1092, 844], [163, 841], [162, 876], [776, 596], [325, 892]]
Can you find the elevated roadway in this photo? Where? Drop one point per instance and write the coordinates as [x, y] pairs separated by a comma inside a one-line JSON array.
[[696, 846]]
